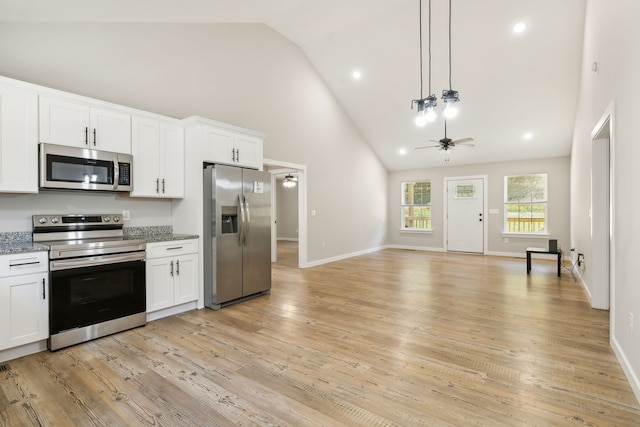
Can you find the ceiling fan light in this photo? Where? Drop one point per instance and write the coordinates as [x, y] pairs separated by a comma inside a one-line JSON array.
[[289, 181]]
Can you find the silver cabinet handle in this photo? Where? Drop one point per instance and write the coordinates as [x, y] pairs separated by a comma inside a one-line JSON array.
[[94, 137], [162, 185], [171, 268], [44, 295], [238, 155], [157, 185], [86, 135], [178, 267]]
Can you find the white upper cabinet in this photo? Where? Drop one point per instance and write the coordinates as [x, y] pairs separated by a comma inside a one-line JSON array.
[[158, 158], [230, 145], [18, 140], [76, 124]]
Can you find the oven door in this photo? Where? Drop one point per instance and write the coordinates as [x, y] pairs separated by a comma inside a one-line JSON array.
[[83, 295]]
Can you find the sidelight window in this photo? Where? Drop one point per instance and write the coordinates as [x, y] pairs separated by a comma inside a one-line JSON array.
[[416, 205], [525, 203]]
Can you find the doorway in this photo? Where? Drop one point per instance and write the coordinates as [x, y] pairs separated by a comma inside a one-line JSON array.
[[465, 214], [601, 213], [277, 168]]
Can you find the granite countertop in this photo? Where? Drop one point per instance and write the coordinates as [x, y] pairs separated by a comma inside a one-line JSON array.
[[166, 237], [19, 247], [160, 233], [17, 242]]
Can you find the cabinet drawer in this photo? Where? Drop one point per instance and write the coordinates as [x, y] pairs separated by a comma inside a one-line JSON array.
[[173, 248], [23, 263]]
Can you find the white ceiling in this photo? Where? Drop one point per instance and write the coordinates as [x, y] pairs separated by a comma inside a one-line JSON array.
[[509, 84]]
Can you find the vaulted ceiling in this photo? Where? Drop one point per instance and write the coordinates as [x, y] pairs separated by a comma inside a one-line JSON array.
[[510, 84]]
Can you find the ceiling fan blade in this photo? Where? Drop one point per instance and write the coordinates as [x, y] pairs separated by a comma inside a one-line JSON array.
[[427, 146], [463, 141]]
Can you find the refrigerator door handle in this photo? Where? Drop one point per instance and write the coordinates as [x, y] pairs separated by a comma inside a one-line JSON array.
[[242, 220], [248, 217]]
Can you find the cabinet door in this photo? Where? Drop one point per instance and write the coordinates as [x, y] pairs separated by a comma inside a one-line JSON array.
[[18, 141], [160, 292], [171, 160], [110, 131], [63, 122], [146, 157], [249, 151], [24, 313], [219, 146], [186, 278]]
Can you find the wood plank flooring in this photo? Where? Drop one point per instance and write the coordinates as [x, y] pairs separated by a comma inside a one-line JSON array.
[[393, 338]]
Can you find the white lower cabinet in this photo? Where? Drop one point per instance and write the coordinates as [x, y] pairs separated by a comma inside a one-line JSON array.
[[24, 299], [172, 274]]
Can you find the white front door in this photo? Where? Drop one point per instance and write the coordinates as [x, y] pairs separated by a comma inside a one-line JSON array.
[[465, 215]]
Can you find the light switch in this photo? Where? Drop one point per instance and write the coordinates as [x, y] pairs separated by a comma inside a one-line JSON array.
[[494, 211]]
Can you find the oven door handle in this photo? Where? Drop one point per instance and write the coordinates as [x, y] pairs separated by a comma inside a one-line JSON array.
[[66, 264]]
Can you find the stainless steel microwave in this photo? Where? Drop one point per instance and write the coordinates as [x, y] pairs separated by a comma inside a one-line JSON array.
[[70, 168]]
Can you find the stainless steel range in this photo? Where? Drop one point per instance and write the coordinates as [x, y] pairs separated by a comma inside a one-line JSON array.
[[97, 277]]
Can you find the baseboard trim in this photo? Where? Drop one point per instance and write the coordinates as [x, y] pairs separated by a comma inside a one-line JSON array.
[[634, 381], [342, 257], [287, 239], [414, 248]]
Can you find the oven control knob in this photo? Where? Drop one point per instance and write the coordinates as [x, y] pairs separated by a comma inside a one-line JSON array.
[[116, 219], [106, 218], [54, 220], [42, 220]]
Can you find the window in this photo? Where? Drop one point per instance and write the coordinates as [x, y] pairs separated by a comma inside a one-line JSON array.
[[416, 205], [525, 203]]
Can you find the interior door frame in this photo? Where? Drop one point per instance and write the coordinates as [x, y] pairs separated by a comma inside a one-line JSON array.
[[301, 171], [485, 193], [603, 232]]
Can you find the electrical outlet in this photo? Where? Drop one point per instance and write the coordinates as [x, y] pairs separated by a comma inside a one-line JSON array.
[[631, 321], [126, 215]]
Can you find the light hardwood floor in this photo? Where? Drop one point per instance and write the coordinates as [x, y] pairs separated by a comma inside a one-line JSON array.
[[391, 338]]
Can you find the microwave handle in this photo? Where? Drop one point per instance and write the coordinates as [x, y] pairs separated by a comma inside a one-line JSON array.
[[116, 173]]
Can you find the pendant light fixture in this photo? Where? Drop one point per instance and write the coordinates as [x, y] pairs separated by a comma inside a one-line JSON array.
[[450, 97], [426, 112]]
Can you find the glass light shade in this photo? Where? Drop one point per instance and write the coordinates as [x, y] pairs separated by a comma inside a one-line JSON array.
[[451, 110], [430, 115], [421, 119]]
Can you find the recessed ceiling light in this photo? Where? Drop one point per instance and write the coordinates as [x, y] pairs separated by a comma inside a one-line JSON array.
[[402, 151], [357, 74], [528, 136], [519, 27]]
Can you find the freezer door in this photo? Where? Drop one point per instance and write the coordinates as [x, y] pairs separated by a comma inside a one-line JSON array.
[[257, 232], [228, 231]]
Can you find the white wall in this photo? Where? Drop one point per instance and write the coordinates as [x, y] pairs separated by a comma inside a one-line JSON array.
[[243, 74], [16, 209], [557, 169], [612, 37], [287, 211]]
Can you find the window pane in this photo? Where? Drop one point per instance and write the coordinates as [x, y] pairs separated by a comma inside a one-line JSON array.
[[466, 191], [416, 193], [526, 188], [526, 218], [417, 217]]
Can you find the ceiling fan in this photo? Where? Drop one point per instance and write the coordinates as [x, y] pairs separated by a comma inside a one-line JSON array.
[[445, 145]]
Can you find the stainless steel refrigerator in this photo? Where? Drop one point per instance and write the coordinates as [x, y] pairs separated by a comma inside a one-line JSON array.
[[237, 234]]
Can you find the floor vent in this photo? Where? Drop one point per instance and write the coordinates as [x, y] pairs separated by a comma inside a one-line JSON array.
[[4, 368]]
